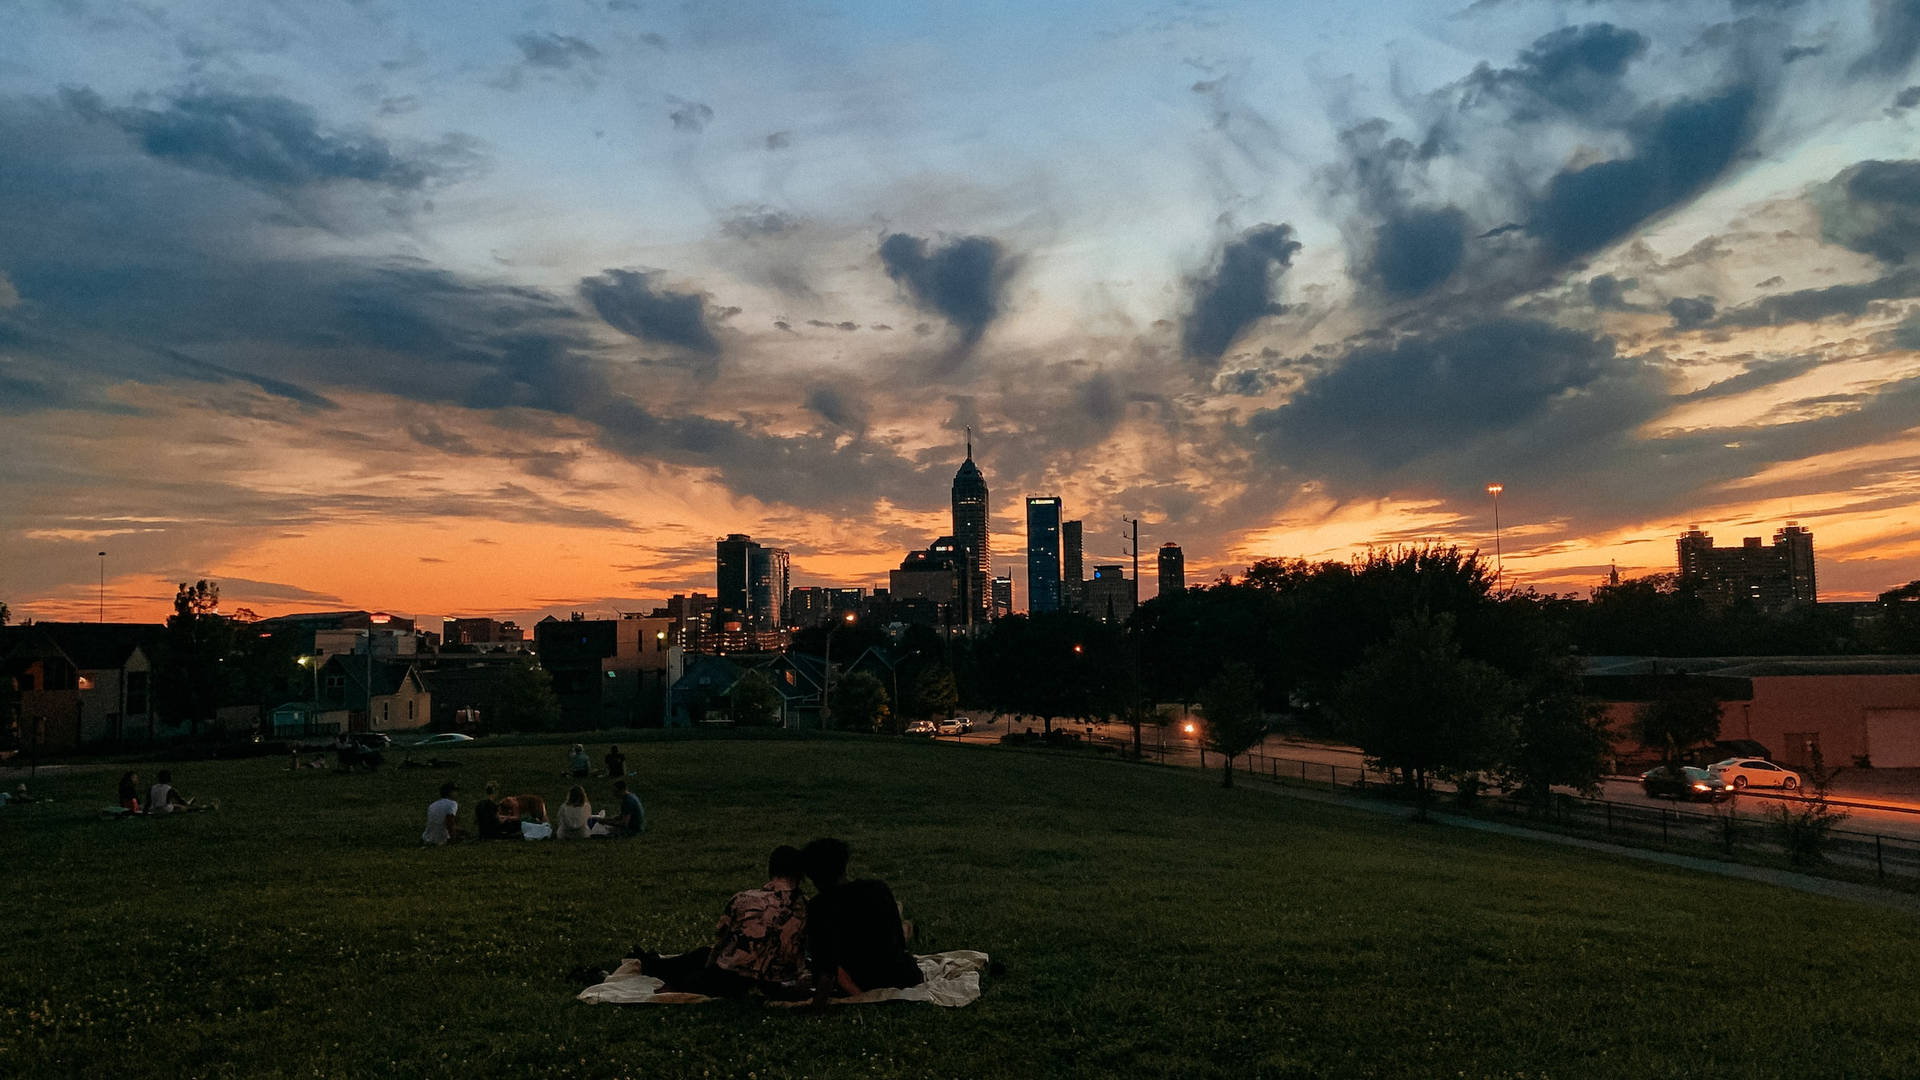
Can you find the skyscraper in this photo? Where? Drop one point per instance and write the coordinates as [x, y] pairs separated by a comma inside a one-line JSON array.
[[1173, 569], [1110, 595], [732, 571], [1073, 571], [1003, 596], [767, 594], [1043, 553], [970, 531]]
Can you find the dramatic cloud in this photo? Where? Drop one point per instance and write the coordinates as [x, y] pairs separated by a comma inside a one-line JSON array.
[[1691, 311], [1418, 249], [1896, 37], [962, 280], [836, 408], [554, 50], [1608, 293], [1574, 70], [1677, 150], [269, 141], [1238, 291], [1873, 207], [1818, 305], [1382, 407], [631, 302]]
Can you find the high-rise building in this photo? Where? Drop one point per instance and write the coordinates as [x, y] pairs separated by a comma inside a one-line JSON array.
[[1769, 577], [933, 583], [1003, 596], [1173, 569], [1109, 595], [971, 531], [1073, 570], [733, 574], [767, 596], [1043, 553]]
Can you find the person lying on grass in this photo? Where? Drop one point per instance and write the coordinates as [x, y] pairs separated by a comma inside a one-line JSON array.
[[856, 940], [759, 943]]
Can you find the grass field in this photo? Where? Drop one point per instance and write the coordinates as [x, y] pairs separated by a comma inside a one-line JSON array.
[[1151, 924]]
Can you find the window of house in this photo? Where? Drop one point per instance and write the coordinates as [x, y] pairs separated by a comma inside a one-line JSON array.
[[410, 709]]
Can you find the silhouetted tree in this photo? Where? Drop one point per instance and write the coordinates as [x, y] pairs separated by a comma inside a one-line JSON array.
[[1231, 703], [1685, 714], [860, 702], [523, 701], [197, 644], [754, 701], [1558, 737], [1415, 706], [931, 691], [1050, 665]]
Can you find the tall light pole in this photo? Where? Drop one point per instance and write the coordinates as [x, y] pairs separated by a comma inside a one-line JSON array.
[[826, 692], [103, 586], [1499, 566]]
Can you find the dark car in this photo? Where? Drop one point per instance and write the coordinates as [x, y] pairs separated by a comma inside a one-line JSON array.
[[1684, 782]]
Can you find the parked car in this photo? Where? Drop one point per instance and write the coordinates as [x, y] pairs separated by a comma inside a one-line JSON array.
[[949, 727], [1684, 782], [922, 727], [1753, 772], [966, 724], [445, 738]]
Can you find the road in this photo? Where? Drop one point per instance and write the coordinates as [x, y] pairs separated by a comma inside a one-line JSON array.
[[1330, 762]]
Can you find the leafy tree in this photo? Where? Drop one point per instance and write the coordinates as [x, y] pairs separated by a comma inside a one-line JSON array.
[[1685, 714], [523, 701], [1053, 664], [1415, 706], [1803, 827], [931, 691], [755, 702], [6, 613], [198, 641], [860, 702], [1231, 703], [1559, 736]]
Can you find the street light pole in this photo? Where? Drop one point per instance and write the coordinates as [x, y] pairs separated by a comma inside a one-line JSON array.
[[1499, 565], [826, 692]]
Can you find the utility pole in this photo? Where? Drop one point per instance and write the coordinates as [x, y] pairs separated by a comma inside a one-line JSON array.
[[103, 587], [1134, 707]]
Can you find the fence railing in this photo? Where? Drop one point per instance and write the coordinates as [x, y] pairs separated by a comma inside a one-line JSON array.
[[1724, 830]]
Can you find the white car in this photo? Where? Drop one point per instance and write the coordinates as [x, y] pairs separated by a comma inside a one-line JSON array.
[[1753, 772], [445, 738], [950, 727], [922, 727]]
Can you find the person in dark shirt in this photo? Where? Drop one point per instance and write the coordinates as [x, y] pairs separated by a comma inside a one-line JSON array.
[[494, 823], [616, 762], [855, 939], [632, 819]]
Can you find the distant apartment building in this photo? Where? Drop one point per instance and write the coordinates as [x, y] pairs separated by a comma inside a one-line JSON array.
[[1173, 569], [750, 583], [1073, 568], [1109, 595], [1770, 577], [1043, 553], [931, 586], [608, 672], [481, 631]]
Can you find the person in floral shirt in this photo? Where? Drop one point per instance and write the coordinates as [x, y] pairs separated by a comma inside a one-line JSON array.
[[759, 943]]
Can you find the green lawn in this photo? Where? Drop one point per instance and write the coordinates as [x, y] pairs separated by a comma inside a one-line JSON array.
[[1151, 924]]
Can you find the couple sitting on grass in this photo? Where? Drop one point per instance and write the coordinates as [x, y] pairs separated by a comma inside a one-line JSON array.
[[773, 941]]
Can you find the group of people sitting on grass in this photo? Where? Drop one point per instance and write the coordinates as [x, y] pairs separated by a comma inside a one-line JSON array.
[[162, 797], [774, 942], [579, 768], [518, 817]]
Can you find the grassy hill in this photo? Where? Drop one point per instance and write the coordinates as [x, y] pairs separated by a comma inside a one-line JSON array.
[[1151, 924]]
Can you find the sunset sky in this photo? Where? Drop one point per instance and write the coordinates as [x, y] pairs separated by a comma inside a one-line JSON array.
[[455, 308]]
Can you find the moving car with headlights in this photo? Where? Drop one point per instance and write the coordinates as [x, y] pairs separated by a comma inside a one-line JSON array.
[[922, 727], [1753, 772], [1684, 782]]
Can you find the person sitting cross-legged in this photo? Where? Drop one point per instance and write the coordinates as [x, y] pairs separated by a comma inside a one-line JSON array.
[[856, 940], [759, 943], [443, 818], [492, 819], [631, 820], [162, 798]]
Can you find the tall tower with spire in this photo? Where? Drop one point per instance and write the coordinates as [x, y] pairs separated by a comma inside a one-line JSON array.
[[970, 532]]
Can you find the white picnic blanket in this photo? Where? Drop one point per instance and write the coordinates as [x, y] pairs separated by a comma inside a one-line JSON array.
[[948, 978]]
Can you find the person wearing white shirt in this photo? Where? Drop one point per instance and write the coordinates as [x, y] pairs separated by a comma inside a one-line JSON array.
[[162, 799], [442, 817]]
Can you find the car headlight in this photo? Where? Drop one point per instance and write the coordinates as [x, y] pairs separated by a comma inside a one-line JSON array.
[[1700, 787]]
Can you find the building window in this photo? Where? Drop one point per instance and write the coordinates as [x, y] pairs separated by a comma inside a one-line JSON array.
[[410, 709]]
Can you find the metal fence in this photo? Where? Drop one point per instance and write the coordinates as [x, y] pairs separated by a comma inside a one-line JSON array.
[[1721, 830]]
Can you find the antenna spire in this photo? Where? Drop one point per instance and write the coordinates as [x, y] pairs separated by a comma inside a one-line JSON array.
[[969, 442]]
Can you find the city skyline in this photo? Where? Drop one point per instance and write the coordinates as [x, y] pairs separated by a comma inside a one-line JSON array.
[[453, 312]]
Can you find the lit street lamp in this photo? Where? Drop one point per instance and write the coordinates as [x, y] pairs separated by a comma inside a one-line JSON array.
[[826, 693], [1499, 566]]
